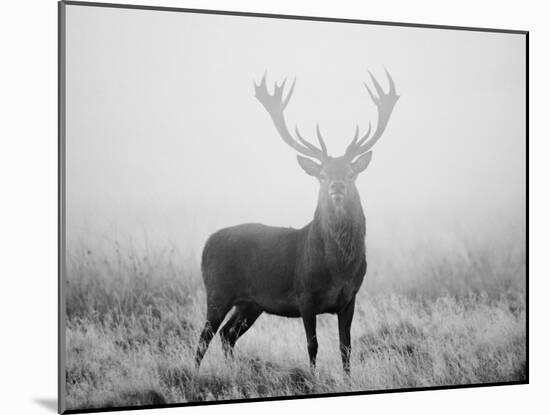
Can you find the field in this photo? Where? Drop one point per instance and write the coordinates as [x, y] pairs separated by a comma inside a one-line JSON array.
[[442, 314]]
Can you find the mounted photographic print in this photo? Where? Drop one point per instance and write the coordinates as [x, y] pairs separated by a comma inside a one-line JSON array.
[[258, 207]]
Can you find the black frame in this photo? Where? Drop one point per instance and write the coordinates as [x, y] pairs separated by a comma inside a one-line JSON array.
[[61, 197]]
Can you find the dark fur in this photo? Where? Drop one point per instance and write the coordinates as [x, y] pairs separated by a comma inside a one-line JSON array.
[[288, 272]]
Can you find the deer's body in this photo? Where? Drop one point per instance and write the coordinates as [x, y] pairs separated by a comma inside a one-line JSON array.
[[280, 269], [296, 272]]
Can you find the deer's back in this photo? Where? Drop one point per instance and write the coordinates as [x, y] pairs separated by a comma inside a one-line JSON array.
[[253, 262]]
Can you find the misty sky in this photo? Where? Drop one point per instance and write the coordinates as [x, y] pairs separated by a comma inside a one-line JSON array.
[[166, 140]]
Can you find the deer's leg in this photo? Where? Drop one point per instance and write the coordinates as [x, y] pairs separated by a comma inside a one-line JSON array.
[[214, 317], [345, 316], [242, 319], [310, 321], [225, 332]]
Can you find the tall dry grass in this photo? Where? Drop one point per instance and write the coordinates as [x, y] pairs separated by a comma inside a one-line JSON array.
[[443, 315]]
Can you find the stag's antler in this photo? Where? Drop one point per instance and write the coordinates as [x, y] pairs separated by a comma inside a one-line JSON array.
[[385, 103], [275, 106]]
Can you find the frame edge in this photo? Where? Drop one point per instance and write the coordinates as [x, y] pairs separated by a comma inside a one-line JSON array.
[[291, 17], [61, 20]]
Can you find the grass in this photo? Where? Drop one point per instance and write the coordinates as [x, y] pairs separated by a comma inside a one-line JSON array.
[[438, 316]]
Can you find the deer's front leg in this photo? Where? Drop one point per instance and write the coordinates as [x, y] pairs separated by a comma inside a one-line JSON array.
[[310, 321], [345, 316]]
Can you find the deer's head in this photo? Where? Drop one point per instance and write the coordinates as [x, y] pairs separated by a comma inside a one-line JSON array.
[[336, 175]]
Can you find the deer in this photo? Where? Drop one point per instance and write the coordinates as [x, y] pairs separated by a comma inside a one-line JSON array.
[[296, 273]]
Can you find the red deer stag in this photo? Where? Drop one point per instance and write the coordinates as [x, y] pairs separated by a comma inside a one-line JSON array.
[[296, 272]]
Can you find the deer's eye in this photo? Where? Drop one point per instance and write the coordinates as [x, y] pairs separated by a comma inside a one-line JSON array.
[[350, 175]]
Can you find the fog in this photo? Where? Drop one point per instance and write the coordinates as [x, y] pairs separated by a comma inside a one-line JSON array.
[[165, 141]]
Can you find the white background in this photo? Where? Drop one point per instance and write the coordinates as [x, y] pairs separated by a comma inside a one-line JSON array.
[[28, 163]]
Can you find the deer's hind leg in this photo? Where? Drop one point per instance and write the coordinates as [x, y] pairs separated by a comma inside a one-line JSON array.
[[242, 319], [215, 313]]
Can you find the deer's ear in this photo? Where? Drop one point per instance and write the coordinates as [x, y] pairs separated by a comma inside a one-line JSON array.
[[362, 162], [309, 166]]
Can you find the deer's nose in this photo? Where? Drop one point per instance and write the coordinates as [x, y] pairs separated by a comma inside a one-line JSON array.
[[337, 187]]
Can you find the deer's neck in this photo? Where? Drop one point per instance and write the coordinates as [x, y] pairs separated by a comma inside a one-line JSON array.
[[342, 232]]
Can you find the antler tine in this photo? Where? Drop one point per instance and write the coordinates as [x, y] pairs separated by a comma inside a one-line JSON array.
[[320, 139], [377, 86], [278, 91], [372, 96], [356, 135], [392, 83], [365, 136], [385, 103], [304, 141], [275, 105], [311, 146], [351, 151], [290, 92]]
